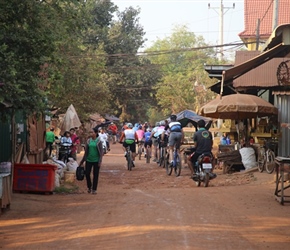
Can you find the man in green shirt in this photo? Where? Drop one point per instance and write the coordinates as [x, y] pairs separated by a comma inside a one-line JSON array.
[[49, 138]]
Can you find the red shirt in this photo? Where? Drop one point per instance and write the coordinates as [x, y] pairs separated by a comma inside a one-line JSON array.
[[113, 128]]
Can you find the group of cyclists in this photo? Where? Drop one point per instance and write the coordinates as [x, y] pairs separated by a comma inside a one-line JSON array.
[[165, 133]]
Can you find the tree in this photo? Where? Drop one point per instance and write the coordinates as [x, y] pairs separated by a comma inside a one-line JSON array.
[[132, 77], [182, 67], [26, 43]]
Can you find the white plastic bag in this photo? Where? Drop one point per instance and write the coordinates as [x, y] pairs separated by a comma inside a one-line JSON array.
[[72, 165], [57, 180], [248, 157]]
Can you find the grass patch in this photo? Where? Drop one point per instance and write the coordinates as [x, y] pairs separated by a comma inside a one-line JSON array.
[[66, 189]]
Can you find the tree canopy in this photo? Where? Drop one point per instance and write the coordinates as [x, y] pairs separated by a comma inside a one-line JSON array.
[[54, 53]]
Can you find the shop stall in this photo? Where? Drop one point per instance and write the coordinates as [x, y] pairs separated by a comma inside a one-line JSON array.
[[244, 112]]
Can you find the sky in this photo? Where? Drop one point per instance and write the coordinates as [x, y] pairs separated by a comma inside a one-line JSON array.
[[158, 18]]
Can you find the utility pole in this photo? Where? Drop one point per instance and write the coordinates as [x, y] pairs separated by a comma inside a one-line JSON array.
[[258, 34], [221, 12], [275, 14]]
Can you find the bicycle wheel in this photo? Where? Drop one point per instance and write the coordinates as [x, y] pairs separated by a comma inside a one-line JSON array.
[[139, 151], [177, 168], [129, 161], [167, 165], [161, 158], [148, 155], [270, 161], [261, 160]]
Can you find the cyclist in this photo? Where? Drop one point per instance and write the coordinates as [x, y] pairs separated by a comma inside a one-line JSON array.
[[202, 142], [140, 134], [148, 141], [154, 139], [158, 134], [176, 136], [145, 126], [129, 137]]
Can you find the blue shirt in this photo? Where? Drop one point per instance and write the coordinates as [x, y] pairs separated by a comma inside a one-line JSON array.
[[147, 136]]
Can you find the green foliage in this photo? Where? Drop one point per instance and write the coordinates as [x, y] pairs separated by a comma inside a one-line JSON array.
[[182, 68], [25, 43], [131, 78], [54, 53]]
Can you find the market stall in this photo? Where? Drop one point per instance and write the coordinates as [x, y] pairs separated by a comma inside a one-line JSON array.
[[282, 175], [244, 111]]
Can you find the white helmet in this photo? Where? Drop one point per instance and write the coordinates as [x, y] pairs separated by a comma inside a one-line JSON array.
[[129, 125]]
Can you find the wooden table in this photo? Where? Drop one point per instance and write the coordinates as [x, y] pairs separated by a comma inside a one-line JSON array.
[[282, 167]]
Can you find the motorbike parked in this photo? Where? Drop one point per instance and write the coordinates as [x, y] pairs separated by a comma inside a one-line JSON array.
[[204, 169]]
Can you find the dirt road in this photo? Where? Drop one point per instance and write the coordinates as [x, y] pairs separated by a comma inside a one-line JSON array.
[[146, 209]]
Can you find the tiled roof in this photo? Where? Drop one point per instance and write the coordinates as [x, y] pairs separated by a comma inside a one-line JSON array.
[[254, 9]]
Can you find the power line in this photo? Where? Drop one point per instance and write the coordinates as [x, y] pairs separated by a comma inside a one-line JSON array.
[[162, 52]]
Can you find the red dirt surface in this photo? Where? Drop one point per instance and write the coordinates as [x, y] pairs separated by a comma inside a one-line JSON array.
[[146, 209]]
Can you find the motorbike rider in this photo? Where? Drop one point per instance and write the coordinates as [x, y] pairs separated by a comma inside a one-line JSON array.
[[114, 130], [203, 143], [65, 144], [176, 136], [104, 138], [130, 137]]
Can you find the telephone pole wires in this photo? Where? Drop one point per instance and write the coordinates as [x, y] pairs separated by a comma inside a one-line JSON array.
[[221, 10]]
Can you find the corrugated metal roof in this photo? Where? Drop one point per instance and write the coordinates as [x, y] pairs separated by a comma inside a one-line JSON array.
[[281, 92], [262, 76], [263, 9]]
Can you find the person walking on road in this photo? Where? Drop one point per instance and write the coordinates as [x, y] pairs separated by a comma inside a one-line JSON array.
[[93, 157], [49, 138], [75, 143]]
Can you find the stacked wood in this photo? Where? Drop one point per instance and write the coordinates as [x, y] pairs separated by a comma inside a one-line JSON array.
[[233, 156]]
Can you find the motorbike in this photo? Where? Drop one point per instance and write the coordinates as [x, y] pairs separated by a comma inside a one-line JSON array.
[[104, 144], [204, 169]]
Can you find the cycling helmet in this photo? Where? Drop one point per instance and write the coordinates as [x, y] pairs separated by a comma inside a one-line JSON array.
[[148, 129], [173, 117], [162, 123], [129, 125], [157, 124], [140, 127]]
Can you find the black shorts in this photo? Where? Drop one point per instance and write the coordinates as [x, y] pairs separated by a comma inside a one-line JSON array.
[[149, 143], [132, 146], [164, 143]]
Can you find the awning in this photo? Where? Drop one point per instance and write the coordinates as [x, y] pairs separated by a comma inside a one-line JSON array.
[[278, 45], [229, 75]]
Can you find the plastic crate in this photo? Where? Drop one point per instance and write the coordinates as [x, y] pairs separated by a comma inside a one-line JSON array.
[[34, 177]]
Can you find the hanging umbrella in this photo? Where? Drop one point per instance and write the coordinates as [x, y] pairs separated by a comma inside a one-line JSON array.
[[111, 118], [70, 119], [237, 107], [188, 116]]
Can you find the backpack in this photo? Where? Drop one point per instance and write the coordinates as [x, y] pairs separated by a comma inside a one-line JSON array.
[[80, 173]]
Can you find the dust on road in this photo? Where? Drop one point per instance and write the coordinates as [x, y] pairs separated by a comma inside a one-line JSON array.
[[146, 209]]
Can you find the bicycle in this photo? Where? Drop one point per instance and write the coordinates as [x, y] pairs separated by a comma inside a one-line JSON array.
[[129, 158], [162, 155], [140, 149], [176, 163], [266, 157], [148, 154]]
